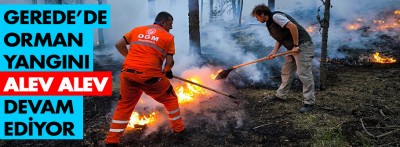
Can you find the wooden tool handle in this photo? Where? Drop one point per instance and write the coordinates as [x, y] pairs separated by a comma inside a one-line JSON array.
[[262, 59], [182, 79]]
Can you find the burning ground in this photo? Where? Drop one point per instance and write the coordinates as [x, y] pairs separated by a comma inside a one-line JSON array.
[[360, 106], [368, 93]]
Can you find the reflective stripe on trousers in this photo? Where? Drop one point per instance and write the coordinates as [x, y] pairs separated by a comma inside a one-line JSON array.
[[175, 119], [117, 127], [174, 114], [117, 124]]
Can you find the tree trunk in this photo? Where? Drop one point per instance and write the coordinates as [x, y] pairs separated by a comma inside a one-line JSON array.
[[234, 10], [100, 30], [152, 9], [194, 28], [211, 11], [240, 14], [324, 46], [271, 5]]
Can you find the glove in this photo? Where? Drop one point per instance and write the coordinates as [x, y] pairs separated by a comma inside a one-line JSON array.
[[169, 74]]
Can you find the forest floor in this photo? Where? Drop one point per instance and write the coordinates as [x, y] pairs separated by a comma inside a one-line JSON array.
[[360, 107], [357, 100]]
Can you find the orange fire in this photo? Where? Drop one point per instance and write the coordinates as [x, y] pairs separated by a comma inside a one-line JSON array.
[[378, 21], [141, 119], [187, 92], [389, 22], [354, 26], [137, 119], [381, 25], [311, 29], [379, 59]]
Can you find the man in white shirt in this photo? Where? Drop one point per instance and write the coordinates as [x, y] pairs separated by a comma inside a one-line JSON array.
[[287, 32]]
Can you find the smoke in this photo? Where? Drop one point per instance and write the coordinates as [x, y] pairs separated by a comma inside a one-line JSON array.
[[343, 14], [359, 24], [221, 41], [349, 10], [221, 45], [353, 24]]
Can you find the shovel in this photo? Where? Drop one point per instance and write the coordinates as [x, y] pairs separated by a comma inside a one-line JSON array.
[[223, 74]]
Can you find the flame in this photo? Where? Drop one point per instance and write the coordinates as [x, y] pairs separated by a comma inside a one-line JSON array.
[[213, 76], [386, 26], [379, 59], [390, 22], [354, 26], [310, 29], [187, 92], [137, 119], [378, 21]]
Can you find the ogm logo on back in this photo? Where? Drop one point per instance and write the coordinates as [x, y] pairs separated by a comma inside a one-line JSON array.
[[150, 31]]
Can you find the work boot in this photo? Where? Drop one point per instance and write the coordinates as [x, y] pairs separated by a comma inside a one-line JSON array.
[[275, 98], [181, 137], [306, 108]]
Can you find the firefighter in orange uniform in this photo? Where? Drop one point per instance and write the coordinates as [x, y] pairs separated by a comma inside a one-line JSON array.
[[142, 72]]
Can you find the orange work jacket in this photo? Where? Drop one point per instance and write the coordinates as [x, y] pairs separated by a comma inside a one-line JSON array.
[[149, 46]]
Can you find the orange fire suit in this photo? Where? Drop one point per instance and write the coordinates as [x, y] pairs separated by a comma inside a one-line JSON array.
[[142, 72]]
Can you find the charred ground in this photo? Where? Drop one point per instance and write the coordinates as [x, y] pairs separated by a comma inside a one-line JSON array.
[[360, 107]]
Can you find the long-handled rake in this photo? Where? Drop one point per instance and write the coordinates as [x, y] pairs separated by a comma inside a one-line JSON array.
[[223, 74], [225, 94]]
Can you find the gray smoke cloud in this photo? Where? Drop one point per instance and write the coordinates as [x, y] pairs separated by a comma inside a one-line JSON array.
[[219, 42], [222, 45]]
